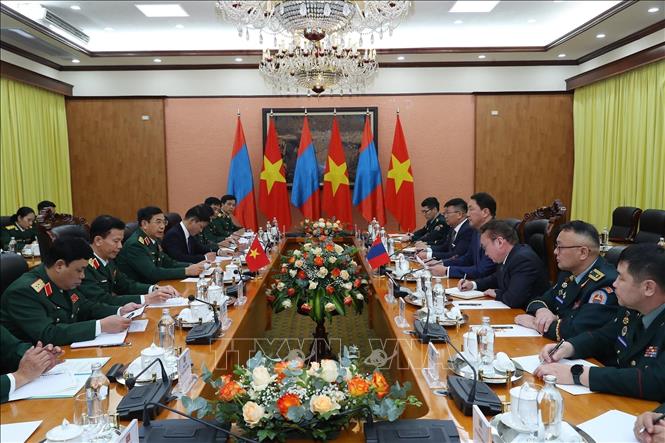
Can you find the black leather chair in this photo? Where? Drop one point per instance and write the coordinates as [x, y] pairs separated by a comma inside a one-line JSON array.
[[535, 232], [45, 240], [12, 266], [624, 224], [173, 218], [5, 220], [129, 230], [612, 255], [652, 226], [514, 222]]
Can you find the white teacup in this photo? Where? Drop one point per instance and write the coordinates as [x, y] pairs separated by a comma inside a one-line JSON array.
[[215, 294], [471, 346], [148, 355], [198, 310], [231, 268], [524, 406]]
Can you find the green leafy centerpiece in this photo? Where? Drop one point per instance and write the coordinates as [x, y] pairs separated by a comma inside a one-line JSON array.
[[322, 229], [275, 399]]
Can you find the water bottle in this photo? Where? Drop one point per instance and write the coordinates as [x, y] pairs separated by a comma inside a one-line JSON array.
[[550, 410], [166, 333], [486, 344], [218, 275], [384, 238], [97, 396], [12, 245], [604, 237], [201, 287], [391, 246], [439, 296]]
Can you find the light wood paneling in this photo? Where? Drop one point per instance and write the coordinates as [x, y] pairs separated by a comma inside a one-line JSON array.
[[524, 155], [118, 159]]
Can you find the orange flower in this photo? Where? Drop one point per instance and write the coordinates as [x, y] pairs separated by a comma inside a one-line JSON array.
[[279, 369], [330, 247], [330, 289], [318, 260], [380, 384], [291, 292], [348, 300], [358, 386], [335, 272], [292, 260], [286, 401], [230, 391]]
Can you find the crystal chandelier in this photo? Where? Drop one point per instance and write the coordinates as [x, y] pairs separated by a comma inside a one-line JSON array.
[[314, 19], [317, 69]]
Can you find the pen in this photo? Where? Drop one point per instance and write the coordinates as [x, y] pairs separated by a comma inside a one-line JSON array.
[[662, 417], [463, 279], [502, 327], [469, 304], [556, 348]]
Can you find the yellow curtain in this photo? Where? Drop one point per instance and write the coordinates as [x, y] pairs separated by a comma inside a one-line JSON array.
[[34, 149], [619, 144]]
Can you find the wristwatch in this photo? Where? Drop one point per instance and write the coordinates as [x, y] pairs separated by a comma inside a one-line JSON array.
[[577, 370]]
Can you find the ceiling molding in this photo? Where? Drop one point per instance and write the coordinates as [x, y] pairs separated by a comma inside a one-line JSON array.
[[13, 72], [622, 42], [617, 67], [29, 55]]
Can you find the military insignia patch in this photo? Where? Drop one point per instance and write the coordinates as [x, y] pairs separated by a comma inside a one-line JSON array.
[[48, 289], [651, 352], [596, 275], [141, 241], [10, 227], [437, 228], [598, 297], [74, 298], [37, 285], [624, 331], [94, 263]]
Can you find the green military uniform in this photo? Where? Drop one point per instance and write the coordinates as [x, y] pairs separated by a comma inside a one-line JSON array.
[[33, 308], [634, 355], [434, 232], [23, 237], [219, 229], [12, 352], [580, 307], [142, 259], [106, 284]]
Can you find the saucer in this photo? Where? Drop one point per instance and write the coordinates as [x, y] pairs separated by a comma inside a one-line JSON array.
[[61, 433], [187, 321], [136, 366], [513, 423]]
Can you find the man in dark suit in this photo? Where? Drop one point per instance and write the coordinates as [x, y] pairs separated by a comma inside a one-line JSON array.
[[459, 236], [180, 242], [474, 263], [520, 274], [632, 346]]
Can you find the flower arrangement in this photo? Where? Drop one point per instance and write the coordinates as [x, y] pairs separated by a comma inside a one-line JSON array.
[[320, 280], [268, 399], [321, 228]]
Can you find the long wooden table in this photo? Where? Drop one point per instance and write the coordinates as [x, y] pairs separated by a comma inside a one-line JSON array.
[[244, 337]]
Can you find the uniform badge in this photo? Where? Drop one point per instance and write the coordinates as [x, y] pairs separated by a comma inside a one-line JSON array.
[[37, 285], [437, 228], [141, 241], [10, 227], [626, 320], [598, 297], [74, 298], [564, 285], [622, 341], [48, 289], [651, 352], [624, 331], [559, 299], [596, 275], [94, 263]]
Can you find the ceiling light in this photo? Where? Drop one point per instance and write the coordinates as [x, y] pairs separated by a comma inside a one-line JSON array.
[[600, 35], [157, 60], [652, 10], [162, 10], [531, 20], [108, 29], [75, 7], [458, 22], [473, 6], [400, 58], [481, 56], [75, 60], [179, 26], [561, 55], [238, 59]]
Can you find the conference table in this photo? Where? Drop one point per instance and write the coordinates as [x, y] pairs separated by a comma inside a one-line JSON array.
[[244, 338]]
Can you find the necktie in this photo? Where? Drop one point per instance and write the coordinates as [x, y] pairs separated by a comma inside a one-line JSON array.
[[190, 242]]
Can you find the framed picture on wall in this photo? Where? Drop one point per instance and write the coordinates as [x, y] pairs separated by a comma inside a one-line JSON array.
[[289, 121]]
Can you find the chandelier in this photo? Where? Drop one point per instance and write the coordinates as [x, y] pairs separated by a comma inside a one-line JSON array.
[[314, 19], [317, 69]]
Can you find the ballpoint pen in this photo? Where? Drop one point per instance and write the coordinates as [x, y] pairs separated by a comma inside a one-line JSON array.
[[656, 420], [555, 348]]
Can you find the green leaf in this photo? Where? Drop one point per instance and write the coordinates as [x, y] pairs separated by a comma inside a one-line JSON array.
[[295, 413], [205, 373]]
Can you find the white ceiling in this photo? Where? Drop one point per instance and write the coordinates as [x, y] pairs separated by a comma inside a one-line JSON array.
[[120, 26]]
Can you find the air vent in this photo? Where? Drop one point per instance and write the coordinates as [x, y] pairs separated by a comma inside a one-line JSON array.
[[26, 41], [60, 23]]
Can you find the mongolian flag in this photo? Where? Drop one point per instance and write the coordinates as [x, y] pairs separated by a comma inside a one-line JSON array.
[[241, 181], [336, 201], [305, 191], [256, 257], [400, 199], [377, 255], [368, 189], [273, 196]]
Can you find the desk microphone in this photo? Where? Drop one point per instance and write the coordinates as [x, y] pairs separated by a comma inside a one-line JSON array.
[[206, 332], [133, 403], [397, 251], [430, 333], [213, 306]]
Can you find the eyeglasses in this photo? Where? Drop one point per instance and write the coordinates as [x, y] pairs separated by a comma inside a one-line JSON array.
[[568, 247], [425, 211], [161, 222], [451, 213]]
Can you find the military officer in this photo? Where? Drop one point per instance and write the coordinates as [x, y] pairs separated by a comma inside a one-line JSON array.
[[631, 345], [45, 304], [20, 363], [103, 281], [436, 229], [221, 230], [20, 229], [45, 204], [142, 258], [583, 298]]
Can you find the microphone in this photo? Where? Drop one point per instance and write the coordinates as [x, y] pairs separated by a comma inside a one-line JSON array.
[[206, 332], [166, 427], [438, 333], [131, 381], [133, 403], [397, 290], [397, 251], [213, 306], [466, 393]]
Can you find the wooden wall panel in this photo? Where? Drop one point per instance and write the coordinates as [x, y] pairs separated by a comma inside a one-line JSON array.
[[524, 155], [118, 160]]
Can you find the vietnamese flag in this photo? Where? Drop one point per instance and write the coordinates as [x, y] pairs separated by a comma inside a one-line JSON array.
[[336, 201], [273, 195], [256, 257], [241, 181], [400, 199]]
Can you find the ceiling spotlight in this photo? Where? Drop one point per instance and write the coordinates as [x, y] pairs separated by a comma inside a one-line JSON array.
[[481, 56], [600, 35], [561, 55], [179, 26], [157, 60], [400, 58], [238, 59], [75, 60], [108, 29], [458, 22], [652, 10], [75, 7]]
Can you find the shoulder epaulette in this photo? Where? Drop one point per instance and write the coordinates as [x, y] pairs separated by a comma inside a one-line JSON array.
[[596, 274], [145, 241], [94, 263], [37, 285], [10, 227]]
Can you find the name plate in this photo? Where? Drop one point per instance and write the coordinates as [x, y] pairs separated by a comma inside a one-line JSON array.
[[431, 372], [482, 431], [130, 434]]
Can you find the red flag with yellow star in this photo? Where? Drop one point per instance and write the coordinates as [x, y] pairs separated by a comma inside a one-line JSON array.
[[273, 195], [336, 201], [400, 199], [256, 257]]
